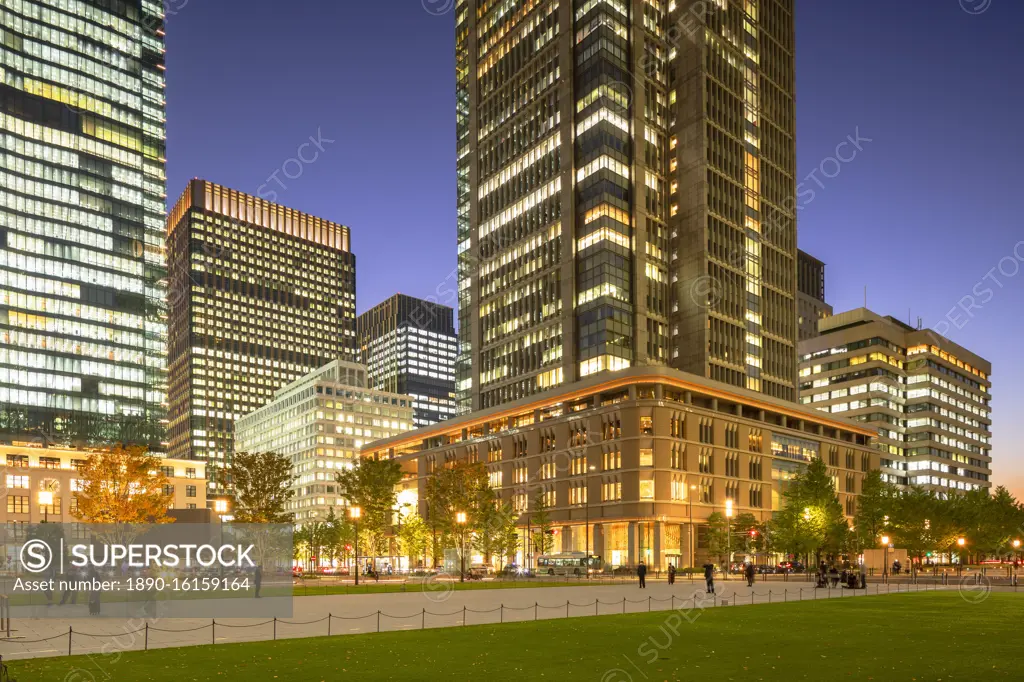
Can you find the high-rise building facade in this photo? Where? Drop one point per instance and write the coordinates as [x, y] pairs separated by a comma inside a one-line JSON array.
[[408, 346], [320, 422], [626, 193], [928, 397], [82, 205], [810, 294], [260, 295]]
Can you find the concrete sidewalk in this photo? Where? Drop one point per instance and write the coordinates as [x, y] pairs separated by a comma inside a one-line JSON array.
[[435, 608]]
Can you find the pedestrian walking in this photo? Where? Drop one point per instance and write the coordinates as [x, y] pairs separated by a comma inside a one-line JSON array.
[[641, 572], [258, 580], [709, 577], [749, 570], [671, 574]]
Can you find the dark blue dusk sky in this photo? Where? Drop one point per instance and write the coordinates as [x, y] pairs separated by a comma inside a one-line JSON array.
[[921, 214]]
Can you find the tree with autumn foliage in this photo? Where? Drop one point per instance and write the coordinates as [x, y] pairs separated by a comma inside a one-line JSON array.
[[123, 485]]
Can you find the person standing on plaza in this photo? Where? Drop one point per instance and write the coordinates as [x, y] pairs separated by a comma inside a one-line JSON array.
[[749, 570], [641, 572], [709, 577], [671, 574]]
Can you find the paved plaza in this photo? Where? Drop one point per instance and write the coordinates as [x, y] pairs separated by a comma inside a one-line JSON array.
[[435, 606]]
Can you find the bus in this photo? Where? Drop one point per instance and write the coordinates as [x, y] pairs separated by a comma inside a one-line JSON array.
[[568, 563]]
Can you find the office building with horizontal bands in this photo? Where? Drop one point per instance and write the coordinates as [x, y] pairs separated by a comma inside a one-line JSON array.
[[928, 397], [28, 471], [626, 193], [260, 295], [642, 457], [320, 422], [408, 346], [82, 205], [810, 295]]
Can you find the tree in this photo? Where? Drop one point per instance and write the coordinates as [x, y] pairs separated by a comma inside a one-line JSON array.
[[414, 536], [717, 537], [263, 483], [543, 537], [812, 520], [370, 485], [492, 537], [123, 485], [875, 507], [462, 487]]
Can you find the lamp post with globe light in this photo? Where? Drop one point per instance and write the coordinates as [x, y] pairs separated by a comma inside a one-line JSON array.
[[46, 501], [460, 518], [354, 513], [885, 558]]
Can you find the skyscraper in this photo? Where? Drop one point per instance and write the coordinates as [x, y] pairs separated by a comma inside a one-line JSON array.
[[82, 204], [408, 346], [626, 193], [928, 397], [810, 296], [260, 295]]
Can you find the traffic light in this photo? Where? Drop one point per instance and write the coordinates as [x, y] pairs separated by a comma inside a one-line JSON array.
[[753, 533]]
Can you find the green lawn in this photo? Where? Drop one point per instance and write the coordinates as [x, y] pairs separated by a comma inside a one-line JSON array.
[[924, 636]]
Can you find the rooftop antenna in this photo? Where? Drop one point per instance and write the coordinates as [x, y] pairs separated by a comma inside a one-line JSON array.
[[865, 295]]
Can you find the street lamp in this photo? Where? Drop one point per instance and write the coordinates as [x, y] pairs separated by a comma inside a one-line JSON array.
[[586, 504], [728, 536], [460, 518], [46, 501], [354, 513], [885, 557], [960, 542], [1016, 552], [693, 489]]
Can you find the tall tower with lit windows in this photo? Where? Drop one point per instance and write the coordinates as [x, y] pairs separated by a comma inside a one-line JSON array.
[[82, 205], [626, 192], [260, 295]]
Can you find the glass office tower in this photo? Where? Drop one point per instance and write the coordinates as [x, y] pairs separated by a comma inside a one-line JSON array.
[[82, 192], [626, 193]]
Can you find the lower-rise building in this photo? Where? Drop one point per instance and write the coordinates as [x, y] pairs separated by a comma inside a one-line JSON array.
[[321, 421], [927, 396], [637, 460]]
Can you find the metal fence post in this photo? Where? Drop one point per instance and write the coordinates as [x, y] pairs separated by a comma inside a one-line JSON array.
[[69, 640], [329, 619], [463, 617], [146, 647], [213, 631], [275, 628]]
